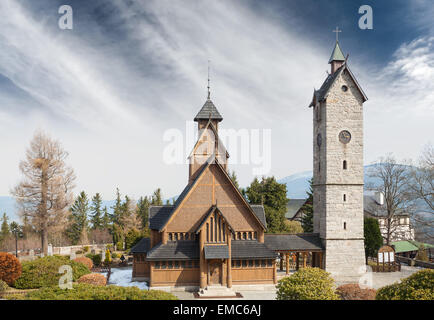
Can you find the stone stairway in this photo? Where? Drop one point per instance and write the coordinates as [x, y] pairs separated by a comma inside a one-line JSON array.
[[217, 291]]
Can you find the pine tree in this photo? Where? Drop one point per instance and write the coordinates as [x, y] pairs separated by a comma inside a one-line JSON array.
[[157, 199], [272, 195], [307, 209], [234, 179], [143, 211], [96, 212], [117, 208], [78, 227], [106, 220], [373, 237], [4, 231]]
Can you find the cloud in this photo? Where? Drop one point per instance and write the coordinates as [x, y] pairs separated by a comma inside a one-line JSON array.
[[129, 71]]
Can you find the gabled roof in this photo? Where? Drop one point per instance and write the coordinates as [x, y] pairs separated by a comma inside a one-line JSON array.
[[189, 187], [216, 135], [322, 93], [210, 212], [294, 242], [158, 215], [208, 111], [258, 210], [337, 54], [142, 246], [293, 207], [371, 207]]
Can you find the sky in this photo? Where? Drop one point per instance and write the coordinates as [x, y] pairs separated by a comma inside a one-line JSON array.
[[131, 71]]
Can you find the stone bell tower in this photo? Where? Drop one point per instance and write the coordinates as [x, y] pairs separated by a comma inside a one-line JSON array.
[[338, 170]]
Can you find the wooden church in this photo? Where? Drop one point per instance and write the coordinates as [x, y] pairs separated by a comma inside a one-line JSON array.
[[212, 236]]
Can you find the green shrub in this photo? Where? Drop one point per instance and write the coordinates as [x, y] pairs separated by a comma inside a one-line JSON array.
[[82, 291], [3, 286], [108, 258], [419, 286], [85, 249], [96, 259], [119, 246], [43, 272], [78, 252], [115, 255], [307, 284]]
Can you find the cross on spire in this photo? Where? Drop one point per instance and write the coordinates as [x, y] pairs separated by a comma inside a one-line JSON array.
[[337, 33]]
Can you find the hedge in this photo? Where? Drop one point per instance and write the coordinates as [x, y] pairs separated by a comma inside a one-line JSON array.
[[419, 286], [44, 272], [82, 291]]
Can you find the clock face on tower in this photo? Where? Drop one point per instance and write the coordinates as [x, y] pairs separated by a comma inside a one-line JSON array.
[[344, 136]]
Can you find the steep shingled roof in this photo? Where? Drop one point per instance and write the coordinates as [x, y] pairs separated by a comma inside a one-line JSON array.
[[208, 111], [245, 249], [337, 54], [179, 250], [295, 242], [142, 246]]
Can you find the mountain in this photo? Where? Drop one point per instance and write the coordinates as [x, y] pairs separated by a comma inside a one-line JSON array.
[[297, 184]]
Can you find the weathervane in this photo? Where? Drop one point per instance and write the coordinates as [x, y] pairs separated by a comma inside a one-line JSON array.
[[337, 33]]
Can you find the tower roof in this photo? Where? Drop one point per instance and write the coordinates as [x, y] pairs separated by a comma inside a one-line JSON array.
[[208, 111], [337, 54]]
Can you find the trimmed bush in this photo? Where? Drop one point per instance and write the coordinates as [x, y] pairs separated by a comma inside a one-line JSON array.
[[96, 279], [307, 284], [10, 268], [108, 258], [82, 291], [96, 259], [3, 286], [418, 286], [354, 292], [85, 249], [115, 255], [44, 272], [86, 261]]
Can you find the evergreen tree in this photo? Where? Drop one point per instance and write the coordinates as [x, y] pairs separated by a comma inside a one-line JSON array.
[[106, 220], [143, 211], [117, 208], [272, 195], [77, 231], [157, 199], [234, 179], [4, 231], [307, 209], [96, 212], [373, 238]]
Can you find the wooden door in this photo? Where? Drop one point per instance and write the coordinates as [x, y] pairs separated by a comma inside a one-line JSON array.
[[214, 273]]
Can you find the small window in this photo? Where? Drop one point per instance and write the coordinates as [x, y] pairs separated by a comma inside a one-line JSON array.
[[163, 265], [186, 236], [238, 263], [345, 164], [345, 226], [244, 263], [244, 236], [232, 263], [170, 237], [157, 265], [345, 197], [257, 263], [250, 263], [263, 263], [255, 235], [269, 263], [250, 235], [170, 265], [176, 264], [183, 264], [344, 88]]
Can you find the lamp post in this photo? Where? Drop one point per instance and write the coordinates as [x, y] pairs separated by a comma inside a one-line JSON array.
[[18, 233]]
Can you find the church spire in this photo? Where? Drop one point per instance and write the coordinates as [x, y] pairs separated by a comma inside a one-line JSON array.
[[337, 58], [209, 92]]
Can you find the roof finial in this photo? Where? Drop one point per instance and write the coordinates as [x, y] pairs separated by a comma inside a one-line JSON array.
[[337, 33], [209, 92]]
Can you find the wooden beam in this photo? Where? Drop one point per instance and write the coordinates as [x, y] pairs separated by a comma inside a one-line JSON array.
[[287, 262]]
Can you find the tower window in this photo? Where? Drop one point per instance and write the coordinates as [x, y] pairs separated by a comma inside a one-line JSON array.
[[344, 88], [345, 197], [345, 164], [345, 226]]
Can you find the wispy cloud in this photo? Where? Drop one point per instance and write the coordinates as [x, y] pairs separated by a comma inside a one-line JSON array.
[[111, 87]]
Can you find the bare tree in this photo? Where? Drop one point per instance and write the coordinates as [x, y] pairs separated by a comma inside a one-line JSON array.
[[44, 195], [392, 179], [421, 188]]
